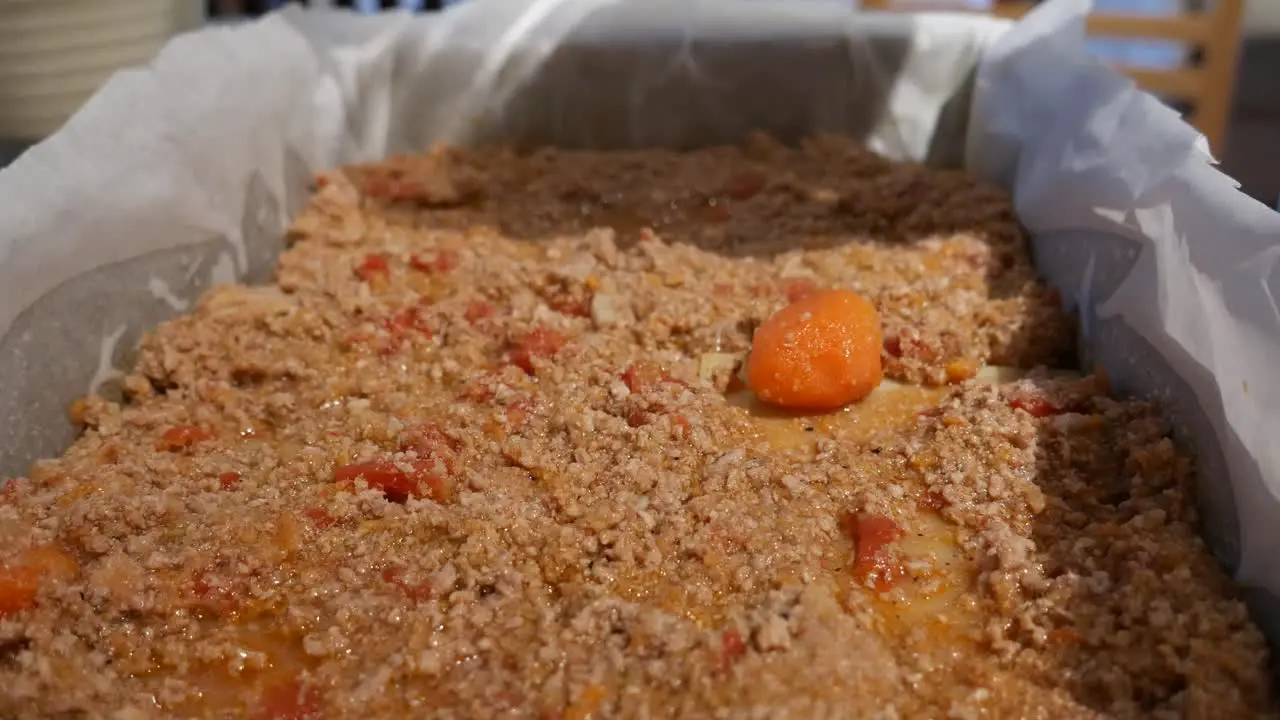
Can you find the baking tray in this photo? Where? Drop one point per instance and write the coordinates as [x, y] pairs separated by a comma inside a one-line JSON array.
[[185, 174]]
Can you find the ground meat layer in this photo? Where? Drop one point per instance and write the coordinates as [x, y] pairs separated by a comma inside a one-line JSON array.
[[482, 451]]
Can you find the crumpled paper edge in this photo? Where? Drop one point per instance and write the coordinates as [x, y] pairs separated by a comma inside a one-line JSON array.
[[1202, 291]]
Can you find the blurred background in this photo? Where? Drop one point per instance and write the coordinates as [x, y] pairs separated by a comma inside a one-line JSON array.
[[1212, 59], [231, 8]]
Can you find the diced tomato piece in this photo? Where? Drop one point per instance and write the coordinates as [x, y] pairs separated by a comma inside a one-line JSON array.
[[443, 262], [401, 326], [397, 484], [18, 587], [22, 577], [320, 517], [373, 266], [569, 305], [681, 425], [872, 535], [430, 443], [799, 289], [518, 412], [201, 585], [1063, 637], [392, 188], [638, 418], [181, 438], [414, 591], [893, 346], [643, 376], [427, 438], [9, 489], [874, 532], [539, 342], [409, 318], [480, 390], [732, 647], [387, 477], [483, 387], [1035, 406], [933, 500], [920, 350], [744, 185], [229, 479], [406, 320], [421, 264], [219, 590], [421, 591], [478, 310], [357, 339], [902, 345], [446, 260], [290, 700]]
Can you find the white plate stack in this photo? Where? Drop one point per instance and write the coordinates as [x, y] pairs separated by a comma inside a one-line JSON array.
[[55, 53]]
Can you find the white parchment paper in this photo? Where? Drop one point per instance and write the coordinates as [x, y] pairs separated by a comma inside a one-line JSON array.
[[1172, 268], [186, 173]]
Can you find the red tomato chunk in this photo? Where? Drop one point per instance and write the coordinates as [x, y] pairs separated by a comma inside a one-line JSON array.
[[478, 310], [391, 188], [732, 647], [320, 517], [1035, 406], [443, 262], [873, 563], [537, 343], [373, 266], [181, 438], [420, 480]]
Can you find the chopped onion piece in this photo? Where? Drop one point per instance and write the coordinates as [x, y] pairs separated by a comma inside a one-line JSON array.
[[711, 363], [604, 311]]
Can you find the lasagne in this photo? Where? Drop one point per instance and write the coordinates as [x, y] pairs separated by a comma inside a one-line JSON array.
[[487, 447]]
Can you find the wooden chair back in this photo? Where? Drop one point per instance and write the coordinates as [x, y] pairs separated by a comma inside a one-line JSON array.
[[1206, 81]]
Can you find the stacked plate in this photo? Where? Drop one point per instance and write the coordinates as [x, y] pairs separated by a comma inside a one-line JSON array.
[[55, 53]]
